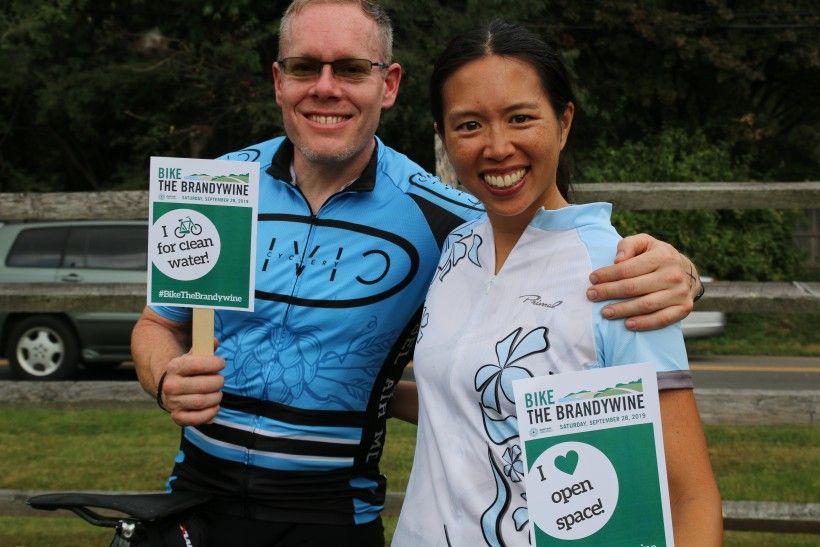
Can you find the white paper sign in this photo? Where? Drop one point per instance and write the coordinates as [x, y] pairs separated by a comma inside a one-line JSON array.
[[595, 466], [202, 236]]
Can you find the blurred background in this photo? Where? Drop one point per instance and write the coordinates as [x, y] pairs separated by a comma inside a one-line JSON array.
[[705, 90]]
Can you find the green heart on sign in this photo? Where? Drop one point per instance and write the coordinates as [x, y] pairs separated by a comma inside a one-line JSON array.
[[567, 463]]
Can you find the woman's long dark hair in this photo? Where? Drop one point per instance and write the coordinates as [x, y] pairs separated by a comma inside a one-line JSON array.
[[508, 40]]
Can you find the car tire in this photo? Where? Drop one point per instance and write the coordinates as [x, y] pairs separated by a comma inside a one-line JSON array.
[[43, 347]]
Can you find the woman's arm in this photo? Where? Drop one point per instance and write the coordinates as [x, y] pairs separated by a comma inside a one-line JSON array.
[[697, 517]]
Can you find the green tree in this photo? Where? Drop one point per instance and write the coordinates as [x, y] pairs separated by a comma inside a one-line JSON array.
[[727, 243], [92, 88]]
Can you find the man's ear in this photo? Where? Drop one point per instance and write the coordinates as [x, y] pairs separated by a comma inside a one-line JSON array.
[[276, 71], [391, 85]]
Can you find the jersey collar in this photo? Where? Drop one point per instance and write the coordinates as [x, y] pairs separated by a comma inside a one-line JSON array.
[[283, 158]]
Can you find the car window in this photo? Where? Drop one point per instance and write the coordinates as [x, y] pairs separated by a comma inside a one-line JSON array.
[[107, 247], [38, 248]]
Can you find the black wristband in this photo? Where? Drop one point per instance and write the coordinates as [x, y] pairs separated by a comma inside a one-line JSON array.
[[700, 292], [159, 391]]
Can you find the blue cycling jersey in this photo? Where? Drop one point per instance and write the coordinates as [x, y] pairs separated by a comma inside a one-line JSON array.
[[309, 373]]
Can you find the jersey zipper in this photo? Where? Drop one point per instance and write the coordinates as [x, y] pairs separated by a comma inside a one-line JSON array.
[[313, 218], [303, 255], [246, 478]]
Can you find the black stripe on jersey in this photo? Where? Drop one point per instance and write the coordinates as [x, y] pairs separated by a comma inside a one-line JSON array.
[[283, 445], [474, 206], [440, 220], [477, 206], [374, 433], [296, 416], [324, 497]]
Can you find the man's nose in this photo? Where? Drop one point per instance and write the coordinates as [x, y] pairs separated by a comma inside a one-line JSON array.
[[326, 84]]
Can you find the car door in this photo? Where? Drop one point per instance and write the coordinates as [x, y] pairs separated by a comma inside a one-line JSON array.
[[35, 255], [105, 253]]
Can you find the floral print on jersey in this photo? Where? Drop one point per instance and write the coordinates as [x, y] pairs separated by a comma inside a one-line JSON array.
[[493, 382], [457, 246], [290, 366]]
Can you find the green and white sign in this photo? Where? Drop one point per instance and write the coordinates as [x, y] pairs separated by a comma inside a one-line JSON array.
[[593, 447], [202, 237]]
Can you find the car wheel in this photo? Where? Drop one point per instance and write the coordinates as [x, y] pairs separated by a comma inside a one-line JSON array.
[[43, 347]]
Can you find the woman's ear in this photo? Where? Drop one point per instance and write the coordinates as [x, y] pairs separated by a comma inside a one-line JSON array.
[[440, 136], [566, 123]]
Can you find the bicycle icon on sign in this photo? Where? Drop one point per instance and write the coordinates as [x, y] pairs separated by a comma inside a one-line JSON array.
[[187, 226]]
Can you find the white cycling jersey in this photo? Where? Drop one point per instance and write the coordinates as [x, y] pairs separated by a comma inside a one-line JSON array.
[[480, 331]]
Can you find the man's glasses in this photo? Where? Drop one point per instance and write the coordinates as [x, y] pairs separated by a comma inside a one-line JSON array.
[[351, 70]]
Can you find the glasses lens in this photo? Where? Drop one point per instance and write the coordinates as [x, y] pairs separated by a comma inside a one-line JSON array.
[[352, 69], [344, 69], [301, 67]]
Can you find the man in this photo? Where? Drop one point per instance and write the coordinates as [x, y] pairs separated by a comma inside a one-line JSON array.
[[286, 423]]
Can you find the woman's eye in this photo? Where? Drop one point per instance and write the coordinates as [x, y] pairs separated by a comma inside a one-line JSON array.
[[468, 126], [520, 118]]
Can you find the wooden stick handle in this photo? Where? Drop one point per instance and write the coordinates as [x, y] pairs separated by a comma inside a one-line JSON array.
[[202, 334]]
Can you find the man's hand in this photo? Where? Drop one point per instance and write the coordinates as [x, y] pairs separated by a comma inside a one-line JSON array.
[[192, 389], [661, 283]]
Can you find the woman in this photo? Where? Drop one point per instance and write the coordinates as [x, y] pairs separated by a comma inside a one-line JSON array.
[[508, 301]]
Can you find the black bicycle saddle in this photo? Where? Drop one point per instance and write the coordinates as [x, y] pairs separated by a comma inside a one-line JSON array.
[[143, 507]]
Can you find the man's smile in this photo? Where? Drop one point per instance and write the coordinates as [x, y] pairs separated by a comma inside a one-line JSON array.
[[327, 119]]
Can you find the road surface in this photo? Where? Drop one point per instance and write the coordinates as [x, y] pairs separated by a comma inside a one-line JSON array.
[[741, 372]]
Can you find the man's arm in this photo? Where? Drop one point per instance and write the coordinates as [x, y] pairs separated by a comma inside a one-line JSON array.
[[405, 402], [660, 282], [192, 389]]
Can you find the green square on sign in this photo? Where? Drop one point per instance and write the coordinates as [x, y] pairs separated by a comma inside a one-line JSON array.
[[220, 251], [638, 516]]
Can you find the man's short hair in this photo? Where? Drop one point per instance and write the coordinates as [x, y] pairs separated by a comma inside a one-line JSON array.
[[371, 9]]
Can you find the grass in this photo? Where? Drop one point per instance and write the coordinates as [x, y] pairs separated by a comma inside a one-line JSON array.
[[758, 334], [132, 449], [87, 449], [63, 532], [51, 532], [766, 463]]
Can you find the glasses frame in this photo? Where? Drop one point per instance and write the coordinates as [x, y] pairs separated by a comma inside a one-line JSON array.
[[283, 63]]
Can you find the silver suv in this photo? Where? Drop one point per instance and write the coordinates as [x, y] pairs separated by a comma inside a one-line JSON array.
[[50, 346]]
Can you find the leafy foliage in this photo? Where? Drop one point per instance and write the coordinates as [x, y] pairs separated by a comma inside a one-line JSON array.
[[727, 243], [91, 88]]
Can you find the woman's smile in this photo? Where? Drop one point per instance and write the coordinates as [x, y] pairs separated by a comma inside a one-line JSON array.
[[505, 180]]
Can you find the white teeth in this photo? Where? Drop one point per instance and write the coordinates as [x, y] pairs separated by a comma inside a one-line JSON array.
[[327, 120], [504, 181]]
